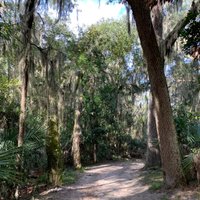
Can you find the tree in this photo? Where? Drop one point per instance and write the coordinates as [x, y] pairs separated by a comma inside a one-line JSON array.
[[153, 151], [170, 155], [157, 21], [56, 43], [77, 132], [166, 46], [53, 147], [24, 62]]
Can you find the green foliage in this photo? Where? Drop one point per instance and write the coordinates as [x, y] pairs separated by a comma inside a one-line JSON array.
[[8, 165], [102, 54], [114, 79], [156, 186], [69, 176], [103, 57], [9, 177], [7, 85], [31, 152], [34, 155], [106, 42], [188, 162], [191, 33], [6, 95], [6, 30], [187, 126]]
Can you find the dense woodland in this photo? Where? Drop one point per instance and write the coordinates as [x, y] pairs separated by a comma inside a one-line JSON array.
[[126, 88]]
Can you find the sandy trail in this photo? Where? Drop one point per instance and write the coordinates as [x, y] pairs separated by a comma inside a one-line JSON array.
[[117, 180]]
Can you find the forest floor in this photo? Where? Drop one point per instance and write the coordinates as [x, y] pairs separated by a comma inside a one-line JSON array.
[[118, 181]]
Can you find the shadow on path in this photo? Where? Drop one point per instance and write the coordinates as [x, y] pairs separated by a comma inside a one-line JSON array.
[[117, 180]]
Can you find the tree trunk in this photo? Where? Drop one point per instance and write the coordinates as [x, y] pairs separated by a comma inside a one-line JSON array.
[[61, 103], [170, 154], [94, 152], [24, 62], [153, 151], [27, 23], [54, 152], [76, 135], [53, 147], [22, 116], [157, 21]]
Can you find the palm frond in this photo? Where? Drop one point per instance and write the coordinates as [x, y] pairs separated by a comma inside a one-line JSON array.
[[187, 162], [8, 165]]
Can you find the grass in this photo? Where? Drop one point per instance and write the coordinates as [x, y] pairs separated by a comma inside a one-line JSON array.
[[70, 176], [153, 178], [164, 197]]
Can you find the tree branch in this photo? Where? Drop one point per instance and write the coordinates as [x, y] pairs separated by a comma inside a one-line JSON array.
[[174, 34]]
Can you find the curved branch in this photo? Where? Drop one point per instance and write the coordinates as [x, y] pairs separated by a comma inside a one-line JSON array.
[[174, 34]]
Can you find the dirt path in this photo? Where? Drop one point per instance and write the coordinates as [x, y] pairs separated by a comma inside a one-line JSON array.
[[117, 181]]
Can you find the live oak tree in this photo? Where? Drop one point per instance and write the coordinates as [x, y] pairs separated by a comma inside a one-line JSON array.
[[157, 21], [155, 63], [170, 156], [153, 152]]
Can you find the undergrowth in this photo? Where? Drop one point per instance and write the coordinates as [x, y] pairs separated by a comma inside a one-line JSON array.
[[154, 179], [70, 176]]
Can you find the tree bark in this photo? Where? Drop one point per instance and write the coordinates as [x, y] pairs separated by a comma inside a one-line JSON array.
[[153, 151], [164, 46], [53, 146], [54, 152], [95, 153], [76, 137], [77, 132], [170, 154], [24, 90], [61, 102]]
